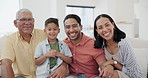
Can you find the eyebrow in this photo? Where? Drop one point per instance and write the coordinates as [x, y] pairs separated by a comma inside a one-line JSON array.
[[104, 24]]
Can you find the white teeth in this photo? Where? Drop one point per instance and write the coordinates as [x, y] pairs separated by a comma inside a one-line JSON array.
[[106, 34], [72, 34]]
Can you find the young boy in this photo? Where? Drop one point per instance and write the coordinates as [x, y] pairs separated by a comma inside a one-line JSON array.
[[51, 52]]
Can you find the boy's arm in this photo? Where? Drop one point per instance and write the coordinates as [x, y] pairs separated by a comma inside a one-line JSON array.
[[66, 59], [41, 59], [7, 71]]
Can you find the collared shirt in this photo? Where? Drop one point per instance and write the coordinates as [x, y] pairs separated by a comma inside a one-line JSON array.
[[85, 57], [21, 53], [44, 47]]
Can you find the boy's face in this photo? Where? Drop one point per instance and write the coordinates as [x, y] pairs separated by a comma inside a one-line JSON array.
[[52, 31]]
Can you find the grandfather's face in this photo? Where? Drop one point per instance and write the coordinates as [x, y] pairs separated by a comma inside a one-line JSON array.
[[25, 23]]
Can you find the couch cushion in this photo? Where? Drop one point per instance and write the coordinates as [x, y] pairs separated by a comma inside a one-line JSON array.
[[142, 59]]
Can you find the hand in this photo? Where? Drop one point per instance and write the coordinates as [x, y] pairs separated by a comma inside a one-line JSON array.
[[107, 71], [59, 72], [109, 62], [51, 53]]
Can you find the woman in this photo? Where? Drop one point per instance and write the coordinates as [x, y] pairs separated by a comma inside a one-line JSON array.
[[117, 50]]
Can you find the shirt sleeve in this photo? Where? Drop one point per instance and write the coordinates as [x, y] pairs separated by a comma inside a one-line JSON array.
[[38, 51], [67, 51], [130, 66], [99, 55], [8, 49]]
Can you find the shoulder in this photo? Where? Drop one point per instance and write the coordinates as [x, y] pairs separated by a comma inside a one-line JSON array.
[[88, 40], [66, 40], [62, 43], [13, 37], [124, 42]]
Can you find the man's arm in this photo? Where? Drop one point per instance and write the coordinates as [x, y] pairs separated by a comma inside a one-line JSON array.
[[60, 72], [7, 71], [106, 71]]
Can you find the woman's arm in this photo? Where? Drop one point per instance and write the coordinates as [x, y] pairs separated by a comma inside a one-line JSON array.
[[113, 63]]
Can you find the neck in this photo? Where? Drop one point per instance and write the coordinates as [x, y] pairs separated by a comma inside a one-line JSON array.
[[26, 37], [52, 41], [111, 43]]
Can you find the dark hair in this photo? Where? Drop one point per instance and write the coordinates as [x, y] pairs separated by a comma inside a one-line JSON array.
[[51, 20], [118, 34], [76, 17]]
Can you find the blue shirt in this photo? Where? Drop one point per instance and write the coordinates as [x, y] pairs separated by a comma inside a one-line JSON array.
[[44, 47]]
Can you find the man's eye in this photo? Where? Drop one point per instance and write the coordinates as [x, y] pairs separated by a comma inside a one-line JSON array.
[[23, 19], [67, 27]]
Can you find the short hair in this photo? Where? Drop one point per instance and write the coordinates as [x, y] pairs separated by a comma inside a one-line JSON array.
[[76, 17], [22, 11], [118, 34], [51, 20]]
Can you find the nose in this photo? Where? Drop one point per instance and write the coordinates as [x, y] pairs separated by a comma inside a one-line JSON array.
[[71, 28], [104, 28]]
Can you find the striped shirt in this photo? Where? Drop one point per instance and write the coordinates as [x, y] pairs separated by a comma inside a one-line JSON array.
[[128, 60]]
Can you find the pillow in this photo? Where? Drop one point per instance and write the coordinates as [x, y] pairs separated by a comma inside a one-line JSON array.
[[141, 57]]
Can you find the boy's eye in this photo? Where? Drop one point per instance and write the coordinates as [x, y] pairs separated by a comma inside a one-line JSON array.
[[55, 29], [49, 29]]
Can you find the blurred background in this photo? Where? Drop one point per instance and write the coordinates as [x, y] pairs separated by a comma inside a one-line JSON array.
[[131, 16]]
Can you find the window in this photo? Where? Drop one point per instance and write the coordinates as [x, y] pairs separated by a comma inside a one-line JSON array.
[[86, 14], [8, 11]]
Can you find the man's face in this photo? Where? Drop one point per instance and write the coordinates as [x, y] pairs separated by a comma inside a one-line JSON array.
[[25, 23], [72, 29]]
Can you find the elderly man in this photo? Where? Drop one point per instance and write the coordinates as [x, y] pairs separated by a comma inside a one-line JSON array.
[[18, 52]]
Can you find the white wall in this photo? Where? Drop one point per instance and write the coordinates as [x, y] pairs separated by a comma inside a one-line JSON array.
[[7, 15], [143, 19], [121, 11]]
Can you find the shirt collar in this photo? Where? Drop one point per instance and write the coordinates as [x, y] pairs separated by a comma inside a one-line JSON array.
[[82, 41], [19, 35], [47, 42]]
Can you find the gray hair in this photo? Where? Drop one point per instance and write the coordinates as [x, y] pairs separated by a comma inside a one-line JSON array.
[[22, 11]]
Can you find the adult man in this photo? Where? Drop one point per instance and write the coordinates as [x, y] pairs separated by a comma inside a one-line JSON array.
[[18, 53], [86, 59]]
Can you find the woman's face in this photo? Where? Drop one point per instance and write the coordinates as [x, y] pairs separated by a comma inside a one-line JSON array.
[[105, 28]]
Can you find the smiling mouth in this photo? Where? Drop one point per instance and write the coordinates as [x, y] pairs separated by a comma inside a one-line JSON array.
[[106, 34]]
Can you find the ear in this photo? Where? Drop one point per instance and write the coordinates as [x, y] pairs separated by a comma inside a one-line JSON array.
[[15, 23], [81, 27], [59, 30]]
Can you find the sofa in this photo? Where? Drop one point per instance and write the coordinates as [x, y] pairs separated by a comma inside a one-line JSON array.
[[140, 50], [140, 47]]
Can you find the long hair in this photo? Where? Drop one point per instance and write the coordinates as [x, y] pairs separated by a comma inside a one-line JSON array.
[[118, 34]]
